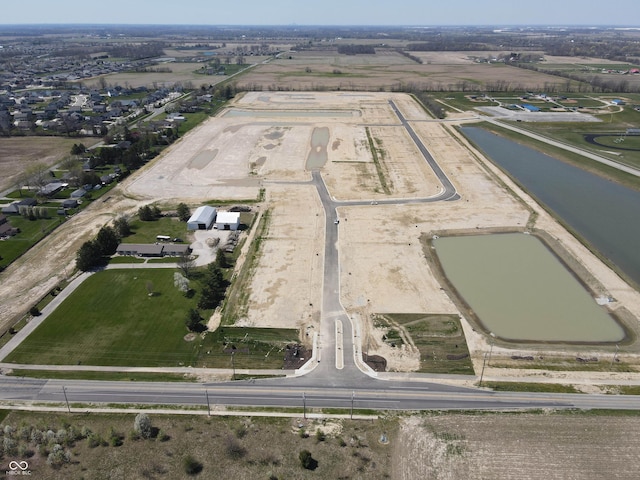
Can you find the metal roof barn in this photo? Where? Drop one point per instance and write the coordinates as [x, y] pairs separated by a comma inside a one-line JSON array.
[[202, 218]]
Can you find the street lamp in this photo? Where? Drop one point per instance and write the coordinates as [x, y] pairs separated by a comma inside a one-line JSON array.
[[614, 356], [233, 366], [353, 396]]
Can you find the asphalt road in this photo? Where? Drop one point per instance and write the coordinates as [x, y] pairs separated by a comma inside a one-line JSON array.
[[364, 394]]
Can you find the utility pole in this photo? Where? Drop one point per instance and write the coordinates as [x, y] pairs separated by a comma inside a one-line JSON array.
[[353, 396], [484, 362], [64, 391], [206, 392], [233, 366]]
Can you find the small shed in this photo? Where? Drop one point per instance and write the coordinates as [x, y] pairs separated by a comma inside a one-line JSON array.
[[202, 218], [70, 203], [228, 221]]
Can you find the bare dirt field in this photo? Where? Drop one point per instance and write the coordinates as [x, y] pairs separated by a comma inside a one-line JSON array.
[[18, 153], [541, 446], [439, 70]]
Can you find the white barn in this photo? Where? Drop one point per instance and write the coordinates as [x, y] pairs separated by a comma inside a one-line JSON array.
[[202, 218], [228, 221]]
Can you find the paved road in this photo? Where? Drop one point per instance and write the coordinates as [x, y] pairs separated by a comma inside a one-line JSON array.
[[365, 393]]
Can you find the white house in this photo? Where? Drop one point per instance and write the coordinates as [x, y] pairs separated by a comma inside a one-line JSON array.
[[228, 221], [202, 218]]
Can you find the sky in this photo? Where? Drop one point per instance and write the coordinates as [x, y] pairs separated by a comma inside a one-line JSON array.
[[323, 12]]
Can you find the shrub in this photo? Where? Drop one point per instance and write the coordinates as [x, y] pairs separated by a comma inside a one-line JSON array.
[[191, 465], [233, 448], [307, 461], [142, 425], [58, 456], [34, 311]]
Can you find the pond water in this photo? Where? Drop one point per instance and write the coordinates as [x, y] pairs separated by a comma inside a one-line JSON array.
[[604, 213], [318, 152], [519, 290]]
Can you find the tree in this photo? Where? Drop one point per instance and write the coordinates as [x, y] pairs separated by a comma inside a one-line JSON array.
[[89, 256], [186, 263], [221, 259], [37, 175], [183, 212], [145, 213], [107, 241], [142, 425], [121, 226], [214, 288], [194, 321], [78, 149]]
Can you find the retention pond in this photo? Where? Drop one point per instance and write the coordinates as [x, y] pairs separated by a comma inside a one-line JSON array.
[[604, 213], [520, 291]]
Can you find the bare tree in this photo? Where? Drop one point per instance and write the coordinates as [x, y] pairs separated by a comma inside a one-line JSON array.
[[186, 263]]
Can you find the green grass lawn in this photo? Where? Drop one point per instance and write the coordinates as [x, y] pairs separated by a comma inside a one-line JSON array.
[[146, 232], [111, 320], [31, 232]]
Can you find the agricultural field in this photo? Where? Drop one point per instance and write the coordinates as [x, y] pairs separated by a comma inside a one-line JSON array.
[[185, 73], [17, 154], [386, 70]]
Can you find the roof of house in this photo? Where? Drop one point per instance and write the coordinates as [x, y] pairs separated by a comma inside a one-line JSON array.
[[172, 249], [141, 248]]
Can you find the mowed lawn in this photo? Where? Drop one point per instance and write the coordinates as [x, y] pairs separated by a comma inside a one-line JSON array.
[[112, 320]]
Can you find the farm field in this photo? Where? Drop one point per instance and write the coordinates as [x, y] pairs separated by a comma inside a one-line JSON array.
[[311, 70], [19, 153]]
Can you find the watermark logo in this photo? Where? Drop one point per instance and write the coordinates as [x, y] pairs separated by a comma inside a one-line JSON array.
[[18, 468]]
